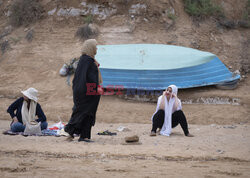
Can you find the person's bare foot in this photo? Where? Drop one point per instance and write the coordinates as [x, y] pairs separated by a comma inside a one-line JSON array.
[[152, 134], [190, 135]]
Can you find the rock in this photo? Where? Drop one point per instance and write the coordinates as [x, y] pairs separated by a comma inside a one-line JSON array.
[[8, 13], [7, 31], [237, 72], [137, 9], [123, 129], [244, 24], [220, 151], [227, 23], [103, 155], [133, 138], [51, 12], [230, 127], [169, 23], [172, 42], [29, 35], [195, 45]]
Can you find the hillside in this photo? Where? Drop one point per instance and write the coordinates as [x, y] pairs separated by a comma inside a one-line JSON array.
[[36, 63], [34, 46]]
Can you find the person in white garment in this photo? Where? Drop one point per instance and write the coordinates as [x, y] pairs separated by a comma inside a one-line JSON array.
[[169, 113]]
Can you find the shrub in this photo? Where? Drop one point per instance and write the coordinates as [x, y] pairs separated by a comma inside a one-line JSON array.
[[29, 35], [88, 19], [172, 16], [4, 46], [246, 13], [25, 12], [202, 8], [87, 31]]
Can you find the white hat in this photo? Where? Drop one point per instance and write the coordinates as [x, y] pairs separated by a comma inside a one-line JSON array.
[[31, 93]]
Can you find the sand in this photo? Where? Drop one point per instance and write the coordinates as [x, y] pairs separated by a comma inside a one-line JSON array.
[[215, 151]]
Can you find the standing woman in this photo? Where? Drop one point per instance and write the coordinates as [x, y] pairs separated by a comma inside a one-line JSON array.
[[169, 113], [85, 104]]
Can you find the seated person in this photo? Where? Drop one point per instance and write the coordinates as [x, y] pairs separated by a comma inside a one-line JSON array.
[[24, 110], [169, 114]]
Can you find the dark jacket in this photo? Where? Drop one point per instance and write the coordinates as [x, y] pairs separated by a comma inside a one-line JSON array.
[[15, 109]]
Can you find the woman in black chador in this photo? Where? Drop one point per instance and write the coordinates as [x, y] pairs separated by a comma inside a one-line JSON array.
[[85, 93]]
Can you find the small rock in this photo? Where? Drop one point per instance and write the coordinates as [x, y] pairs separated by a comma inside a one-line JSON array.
[[120, 128], [195, 45], [220, 151], [103, 155], [123, 129], [52, 11], [237, 72], [172, 42], [133, 138], [230, 127], [244, 24], [227, 23], [169, 24]]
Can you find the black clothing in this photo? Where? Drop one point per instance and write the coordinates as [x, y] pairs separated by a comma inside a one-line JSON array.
[[85, 105], [158, 120], [178, 117], [15, 110]]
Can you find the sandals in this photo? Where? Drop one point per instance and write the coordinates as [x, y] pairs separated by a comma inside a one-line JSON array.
[[106, 132], [85, 140], [152, 134]]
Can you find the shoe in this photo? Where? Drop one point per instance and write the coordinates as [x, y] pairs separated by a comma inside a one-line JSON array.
[[85, 140], [189, 135], [152, 134]]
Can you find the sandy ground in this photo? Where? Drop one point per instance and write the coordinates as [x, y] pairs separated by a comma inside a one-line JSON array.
[[215, 151], [221, 145]]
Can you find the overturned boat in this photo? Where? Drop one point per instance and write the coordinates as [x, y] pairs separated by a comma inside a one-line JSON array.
[[156, 66]]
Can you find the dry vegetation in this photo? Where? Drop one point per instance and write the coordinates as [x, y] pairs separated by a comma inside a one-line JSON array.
[[25, 12]]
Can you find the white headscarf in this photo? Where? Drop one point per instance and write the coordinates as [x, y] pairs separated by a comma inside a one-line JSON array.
[[169, 110]]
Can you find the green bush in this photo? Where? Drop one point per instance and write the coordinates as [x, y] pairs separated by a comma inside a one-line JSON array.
[[202, 8], [88, 19], [25, 12], [246, 13], [4, 46]]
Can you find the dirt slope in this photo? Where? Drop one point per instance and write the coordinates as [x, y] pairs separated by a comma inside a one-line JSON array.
[[221, 144], [37, 63]]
